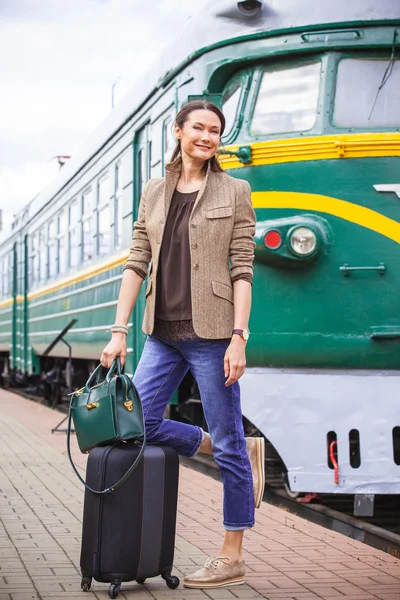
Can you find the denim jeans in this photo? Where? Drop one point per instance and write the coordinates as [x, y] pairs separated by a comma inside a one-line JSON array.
[[161, 368]]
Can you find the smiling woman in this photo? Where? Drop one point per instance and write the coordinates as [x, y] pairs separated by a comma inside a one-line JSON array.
[[198, 129], [196, 225]]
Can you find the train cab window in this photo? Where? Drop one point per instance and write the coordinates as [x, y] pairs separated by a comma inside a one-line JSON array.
[[104, 217], [230, 104], [74, 215], [52, 248], [62, 226], [287, 100], [87, 225], [361, 99]]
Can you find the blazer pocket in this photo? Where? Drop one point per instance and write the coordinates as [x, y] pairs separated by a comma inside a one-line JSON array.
[[219, 213], [149, 286], [222, 290]]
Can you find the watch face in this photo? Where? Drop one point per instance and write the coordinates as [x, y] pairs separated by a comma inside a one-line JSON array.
[[246, 334]]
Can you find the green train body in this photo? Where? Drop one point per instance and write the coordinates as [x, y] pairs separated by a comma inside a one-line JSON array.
[[319, 142]]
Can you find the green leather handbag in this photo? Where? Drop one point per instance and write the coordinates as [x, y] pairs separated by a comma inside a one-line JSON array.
[[105, 413]]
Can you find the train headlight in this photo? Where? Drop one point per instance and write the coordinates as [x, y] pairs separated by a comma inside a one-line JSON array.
[[303, 241]]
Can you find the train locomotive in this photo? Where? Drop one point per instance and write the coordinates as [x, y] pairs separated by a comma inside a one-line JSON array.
[[311, 94]]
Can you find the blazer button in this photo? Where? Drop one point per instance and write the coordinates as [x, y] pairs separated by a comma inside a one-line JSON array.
[[195, 266], [194, 246]]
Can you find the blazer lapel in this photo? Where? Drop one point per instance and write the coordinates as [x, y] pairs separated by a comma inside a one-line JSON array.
[[172, 174], [202, 188]]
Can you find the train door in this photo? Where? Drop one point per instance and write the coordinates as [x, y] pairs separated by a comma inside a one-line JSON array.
[[142, 162]]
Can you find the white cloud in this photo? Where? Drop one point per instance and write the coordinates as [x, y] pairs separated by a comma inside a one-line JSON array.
[[21, 184], [58, 62]]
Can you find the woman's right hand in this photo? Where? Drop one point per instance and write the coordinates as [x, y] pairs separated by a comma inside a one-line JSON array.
[[115, 347]]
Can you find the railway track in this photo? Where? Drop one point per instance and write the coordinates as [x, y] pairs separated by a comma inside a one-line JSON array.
[[333, 512]]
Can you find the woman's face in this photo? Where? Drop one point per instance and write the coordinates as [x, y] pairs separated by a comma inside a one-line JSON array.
[[200, 134]]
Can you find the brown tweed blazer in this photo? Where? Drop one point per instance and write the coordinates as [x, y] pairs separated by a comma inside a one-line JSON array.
[[221, 234]]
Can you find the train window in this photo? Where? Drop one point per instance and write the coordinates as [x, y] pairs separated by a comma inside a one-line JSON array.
[[62, 227], [287, 100], [43, 264], [117, 206], [169, 141], [230, 103], [361, 99], [74, 215], [87, 225], [6, 276], [104, 217], [34, 260], [52, 248]]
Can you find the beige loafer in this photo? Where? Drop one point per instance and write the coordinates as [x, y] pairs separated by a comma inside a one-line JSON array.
[[217, 572], [256, 450]]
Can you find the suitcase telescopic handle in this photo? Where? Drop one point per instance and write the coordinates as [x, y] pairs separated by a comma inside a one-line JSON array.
[[129, 472]]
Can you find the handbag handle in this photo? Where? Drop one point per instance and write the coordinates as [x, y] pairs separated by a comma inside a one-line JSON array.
[[116, 365], [131, 469]]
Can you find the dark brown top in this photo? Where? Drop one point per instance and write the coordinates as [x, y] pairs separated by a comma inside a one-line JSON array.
[[173, 314], [174, 300]]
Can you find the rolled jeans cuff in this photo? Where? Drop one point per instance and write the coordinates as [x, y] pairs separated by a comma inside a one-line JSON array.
[[202, 435], [239, 526]]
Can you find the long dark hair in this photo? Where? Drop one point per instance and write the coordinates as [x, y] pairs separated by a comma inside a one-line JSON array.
[[181, 118]]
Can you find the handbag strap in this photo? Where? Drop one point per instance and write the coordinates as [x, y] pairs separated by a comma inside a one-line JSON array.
[[131, 469]]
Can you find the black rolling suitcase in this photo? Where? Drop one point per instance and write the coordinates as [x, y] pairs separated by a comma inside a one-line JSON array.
[[130, 534]]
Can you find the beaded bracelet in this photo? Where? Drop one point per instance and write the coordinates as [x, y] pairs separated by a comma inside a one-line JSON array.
[[119, 329]]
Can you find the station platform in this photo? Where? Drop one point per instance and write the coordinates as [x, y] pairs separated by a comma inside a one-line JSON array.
[[41, 504]]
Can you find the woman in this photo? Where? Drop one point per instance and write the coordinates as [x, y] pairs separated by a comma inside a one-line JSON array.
[[196, 226]]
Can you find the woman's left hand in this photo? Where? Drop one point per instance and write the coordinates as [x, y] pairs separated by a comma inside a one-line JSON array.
[[235, 360]]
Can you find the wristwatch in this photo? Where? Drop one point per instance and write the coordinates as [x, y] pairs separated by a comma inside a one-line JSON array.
[[244, 333]]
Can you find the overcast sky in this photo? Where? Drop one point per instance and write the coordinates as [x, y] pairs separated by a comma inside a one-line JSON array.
[[58, 62]]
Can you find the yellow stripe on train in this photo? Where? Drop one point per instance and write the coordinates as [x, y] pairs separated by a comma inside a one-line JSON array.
[[365, 217]]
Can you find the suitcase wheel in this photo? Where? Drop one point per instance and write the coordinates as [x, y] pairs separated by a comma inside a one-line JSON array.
[[172, 582], [114, 589], [86, 584], [141, 581]]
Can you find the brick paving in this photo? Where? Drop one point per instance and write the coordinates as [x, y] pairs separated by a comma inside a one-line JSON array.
[[40, 524]]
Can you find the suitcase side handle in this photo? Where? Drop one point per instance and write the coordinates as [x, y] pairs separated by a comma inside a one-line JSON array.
[[129, 472]]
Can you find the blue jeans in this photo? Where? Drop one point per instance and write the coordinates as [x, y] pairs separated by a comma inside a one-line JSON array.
[[161, 368]]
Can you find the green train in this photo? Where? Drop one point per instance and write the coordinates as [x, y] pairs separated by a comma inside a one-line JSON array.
[[311, 93]]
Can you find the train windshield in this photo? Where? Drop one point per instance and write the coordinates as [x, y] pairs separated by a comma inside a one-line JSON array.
[[287, 100], [367, 93]]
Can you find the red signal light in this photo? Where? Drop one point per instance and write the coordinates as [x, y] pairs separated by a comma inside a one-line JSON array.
[[273, 240]]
